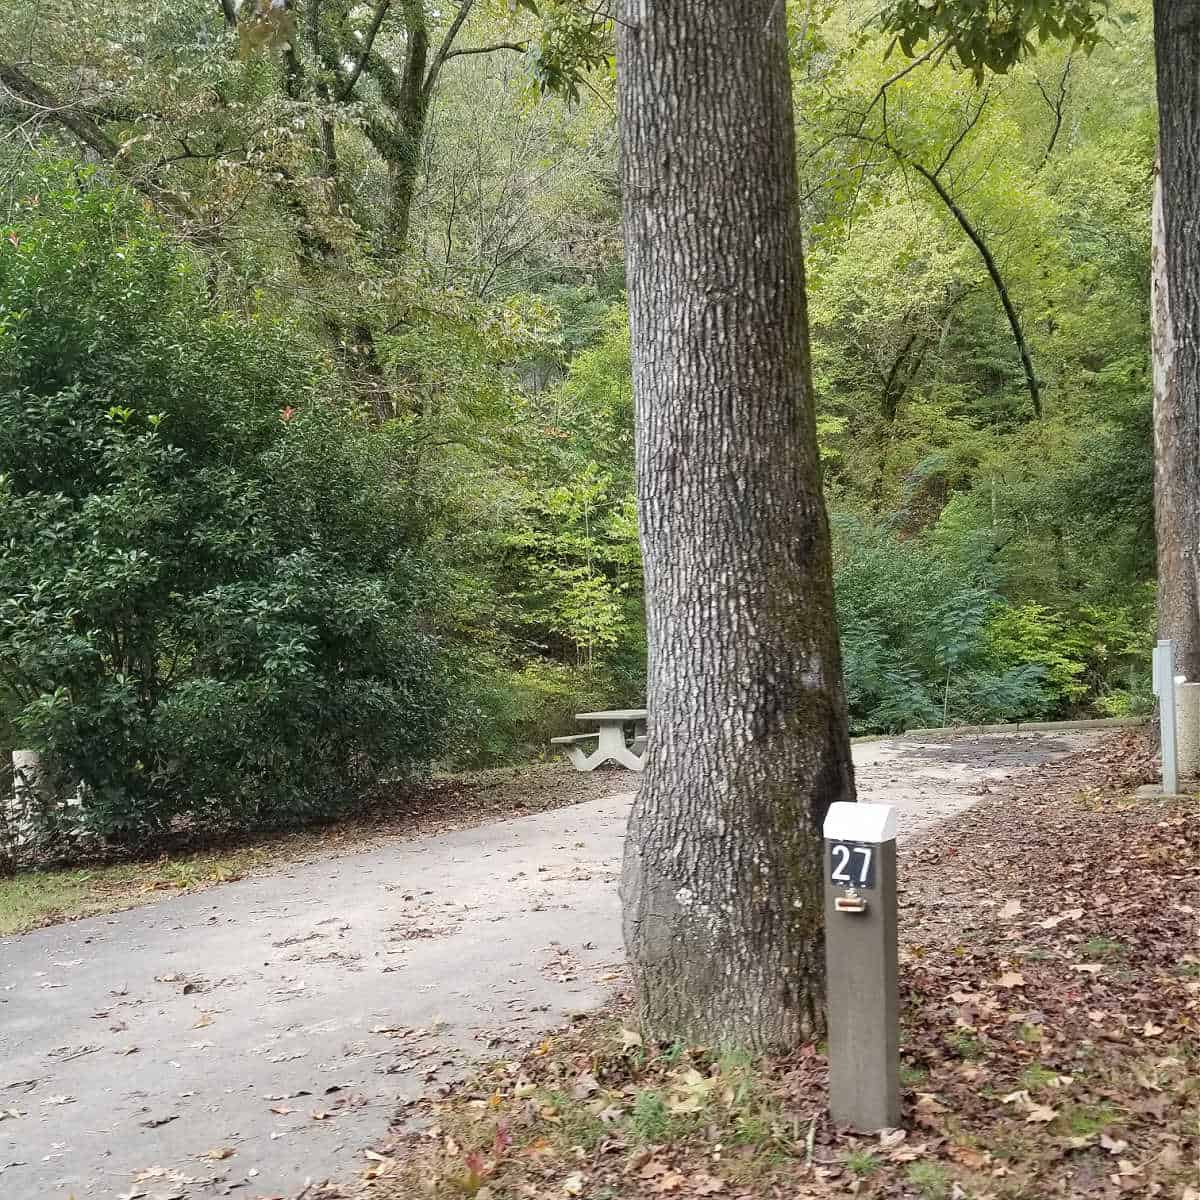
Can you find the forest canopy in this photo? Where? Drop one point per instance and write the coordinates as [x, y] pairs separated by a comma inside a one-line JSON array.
[[316, 368]]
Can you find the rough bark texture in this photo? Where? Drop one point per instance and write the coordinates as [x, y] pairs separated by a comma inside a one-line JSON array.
[[1176, 324], [722, 884]]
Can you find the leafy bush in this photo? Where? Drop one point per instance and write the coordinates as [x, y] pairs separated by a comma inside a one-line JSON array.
[[915, 647], [1029, 634], [505, 715], [207, 607]]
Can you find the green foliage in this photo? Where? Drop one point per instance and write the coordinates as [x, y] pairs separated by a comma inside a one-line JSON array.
[[209, 609], [1030, 634], [479, 379], [572, 42], [914, 637], [989, 36]]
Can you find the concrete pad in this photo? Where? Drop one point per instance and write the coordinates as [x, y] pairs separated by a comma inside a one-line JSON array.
[[282, 1017]]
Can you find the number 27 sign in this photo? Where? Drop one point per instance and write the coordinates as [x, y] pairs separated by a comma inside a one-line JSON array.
[[852, 864]]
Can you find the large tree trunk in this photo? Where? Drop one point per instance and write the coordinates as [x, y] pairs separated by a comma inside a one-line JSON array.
[[722, 879], [1176, 326]]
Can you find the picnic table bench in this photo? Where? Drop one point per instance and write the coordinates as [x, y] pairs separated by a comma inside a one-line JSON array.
[[609, 739]]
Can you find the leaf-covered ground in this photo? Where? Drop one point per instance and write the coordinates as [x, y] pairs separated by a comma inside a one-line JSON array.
[[1051, 1042]]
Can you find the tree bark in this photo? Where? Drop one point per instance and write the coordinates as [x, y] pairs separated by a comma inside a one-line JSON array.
[[722, 881], [1176, 329]]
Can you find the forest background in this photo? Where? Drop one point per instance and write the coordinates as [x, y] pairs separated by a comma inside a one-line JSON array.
[[316, 419]]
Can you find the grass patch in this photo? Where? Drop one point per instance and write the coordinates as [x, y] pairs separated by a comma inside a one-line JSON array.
[[1087, 1120], [1104, 949], [33, 899], [649, 1117], [862, 1163], [931, 1180], [967, 1047], [1036, 1076]]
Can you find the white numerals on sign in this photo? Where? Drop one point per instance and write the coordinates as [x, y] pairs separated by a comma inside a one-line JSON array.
[[852, 864]]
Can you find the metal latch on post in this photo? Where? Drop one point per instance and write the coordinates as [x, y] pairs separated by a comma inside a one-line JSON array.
[[862, 965]]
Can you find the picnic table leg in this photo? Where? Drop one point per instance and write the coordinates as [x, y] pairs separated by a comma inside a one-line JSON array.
[[579, 760], [612, 748]]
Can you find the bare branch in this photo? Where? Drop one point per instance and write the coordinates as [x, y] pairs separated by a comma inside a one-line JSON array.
[[962, 134], [881, 94], [519, 47], [30, 93], [1057, 107], [439, 59], [367, 43]]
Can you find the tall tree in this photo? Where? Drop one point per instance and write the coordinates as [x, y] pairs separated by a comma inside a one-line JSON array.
[[722, 880], [1176, 322]]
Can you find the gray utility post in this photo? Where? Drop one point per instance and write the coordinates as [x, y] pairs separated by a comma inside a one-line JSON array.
[[862, 965], [1164, 689]]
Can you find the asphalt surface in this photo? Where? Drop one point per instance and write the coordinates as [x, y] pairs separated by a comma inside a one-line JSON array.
[[247, 1039]]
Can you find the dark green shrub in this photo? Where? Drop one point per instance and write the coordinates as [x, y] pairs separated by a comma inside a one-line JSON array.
[[915, 637], [207, 604]]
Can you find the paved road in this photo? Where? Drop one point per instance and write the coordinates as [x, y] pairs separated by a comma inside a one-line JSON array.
[[242, 1040]]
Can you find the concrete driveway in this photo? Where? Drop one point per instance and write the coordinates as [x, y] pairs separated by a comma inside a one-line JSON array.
[[243, 1040]]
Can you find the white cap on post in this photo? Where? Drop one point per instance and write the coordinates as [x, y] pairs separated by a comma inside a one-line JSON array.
[[874, 823]]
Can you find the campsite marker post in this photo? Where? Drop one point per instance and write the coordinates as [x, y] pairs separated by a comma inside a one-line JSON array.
[[861, 959], [1164, 689]]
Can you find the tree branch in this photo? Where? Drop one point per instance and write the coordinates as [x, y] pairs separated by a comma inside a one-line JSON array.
[[1014, 322], [881, 94], [958, 141], [1056, 107], [519, 47], [439, 59], [367, 44], [31, 93]]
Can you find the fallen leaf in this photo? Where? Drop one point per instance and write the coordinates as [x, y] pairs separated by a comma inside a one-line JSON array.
[[1040, 1114], [891, 1137], [1072, 914], [1087, 968], [1150, 1030], [707, 1185], [1011, 979], [1113, 1145], [969, 1157], [574, 1183], [1010, 909], [672, 1181], [220, 1153], [156, 1122]]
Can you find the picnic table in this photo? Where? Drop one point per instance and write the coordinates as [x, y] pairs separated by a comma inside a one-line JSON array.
[[611, 745]]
